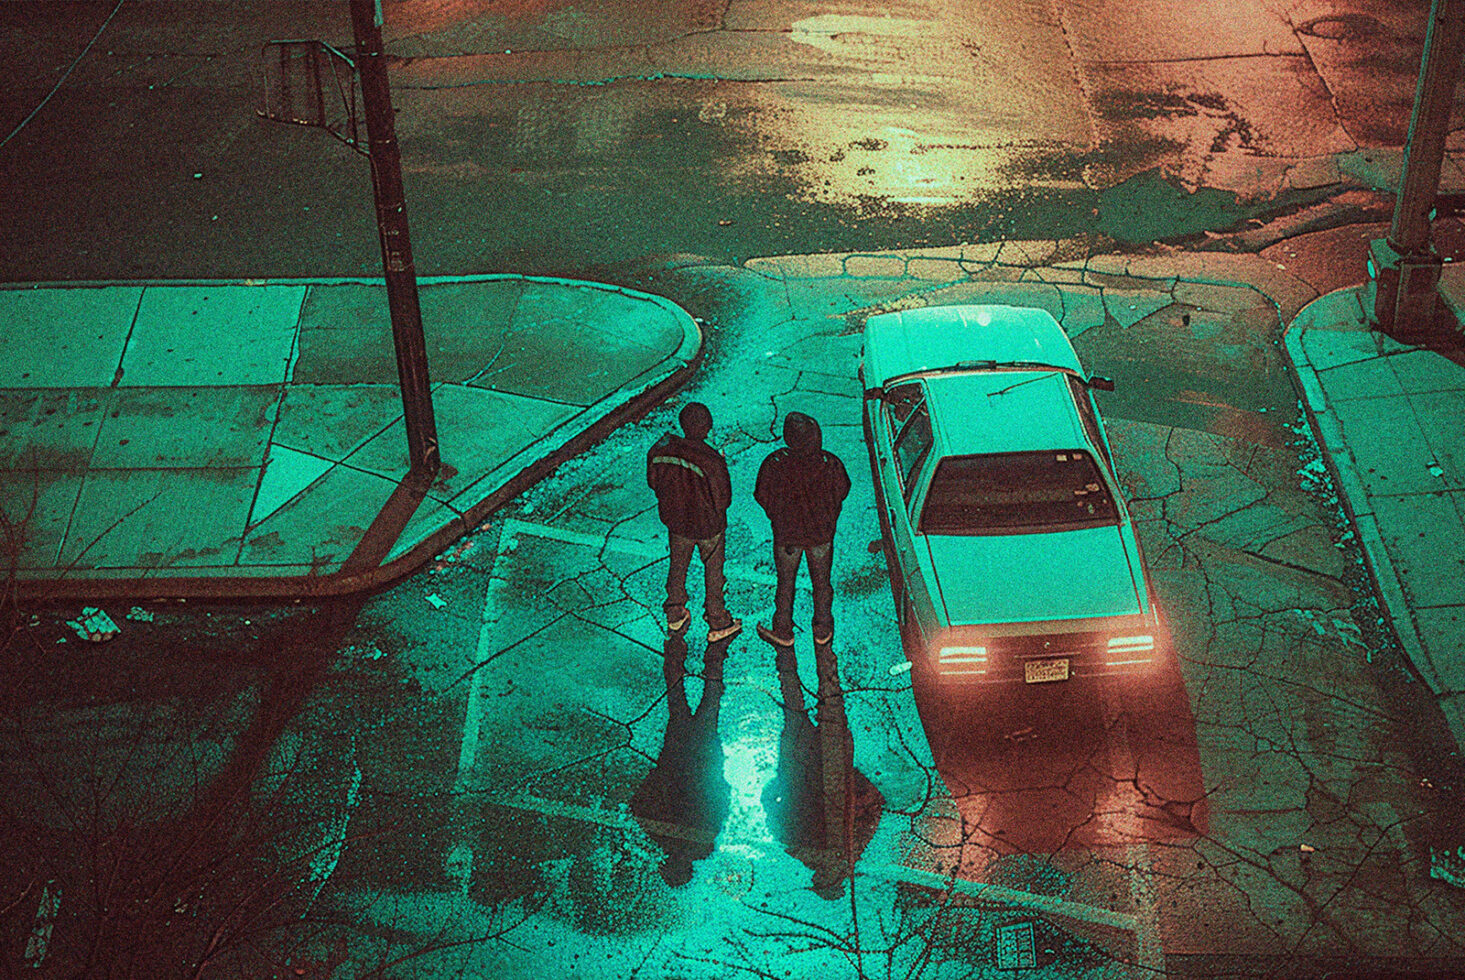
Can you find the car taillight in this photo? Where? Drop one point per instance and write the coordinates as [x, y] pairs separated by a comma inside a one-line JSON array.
[[963, 660], [1126, 650]]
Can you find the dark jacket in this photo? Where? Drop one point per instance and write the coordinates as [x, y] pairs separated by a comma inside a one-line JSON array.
[[692, 486], [801, 487]]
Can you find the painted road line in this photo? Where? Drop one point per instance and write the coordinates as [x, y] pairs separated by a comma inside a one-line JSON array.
[[487, 620], [625, 546], [458, 859], [621, 819], [1149, 948], [985, 892]]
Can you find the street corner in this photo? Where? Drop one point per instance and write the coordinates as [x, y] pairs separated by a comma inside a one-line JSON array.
[[310, 406], [604, 320]]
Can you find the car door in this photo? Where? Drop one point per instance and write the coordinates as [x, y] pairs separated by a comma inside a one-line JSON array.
[[908, 426]]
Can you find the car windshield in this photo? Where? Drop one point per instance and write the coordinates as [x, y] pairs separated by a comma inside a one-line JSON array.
[[1028, 491]]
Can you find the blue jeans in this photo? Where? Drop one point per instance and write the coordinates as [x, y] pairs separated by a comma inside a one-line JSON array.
[[711, 550], [786, 560]]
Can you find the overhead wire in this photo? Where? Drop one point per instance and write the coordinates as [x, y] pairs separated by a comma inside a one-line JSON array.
[[62, 80]]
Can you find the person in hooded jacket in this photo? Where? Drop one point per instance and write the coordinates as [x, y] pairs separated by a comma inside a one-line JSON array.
[[692, 496], [801, 487]]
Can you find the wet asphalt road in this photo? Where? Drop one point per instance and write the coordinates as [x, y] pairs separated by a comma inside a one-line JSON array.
[[500, 782], [545, 137], [501, 764]]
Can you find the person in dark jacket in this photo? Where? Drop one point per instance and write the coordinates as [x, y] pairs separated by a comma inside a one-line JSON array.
[[692, 495], [801, 487]]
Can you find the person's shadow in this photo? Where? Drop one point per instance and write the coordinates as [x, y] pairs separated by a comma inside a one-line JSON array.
[[684, 799], [821, 808]]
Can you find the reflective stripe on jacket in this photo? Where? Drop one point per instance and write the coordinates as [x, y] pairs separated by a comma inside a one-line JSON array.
[[692, 486]]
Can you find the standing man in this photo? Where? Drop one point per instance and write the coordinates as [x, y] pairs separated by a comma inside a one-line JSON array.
[[692, 494], [801, 488]]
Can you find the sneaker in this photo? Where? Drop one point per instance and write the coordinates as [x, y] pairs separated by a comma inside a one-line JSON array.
[[822, 636], [678, 623], [723, 632], [774, 638]]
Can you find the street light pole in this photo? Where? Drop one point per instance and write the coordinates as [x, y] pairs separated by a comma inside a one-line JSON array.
[[391, 218], [1405, 264]]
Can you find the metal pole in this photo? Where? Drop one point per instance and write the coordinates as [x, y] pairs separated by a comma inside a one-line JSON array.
[[1405, 263], [391, 218]]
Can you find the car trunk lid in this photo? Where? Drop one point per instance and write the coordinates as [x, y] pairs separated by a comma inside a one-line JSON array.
[[1004, 578]]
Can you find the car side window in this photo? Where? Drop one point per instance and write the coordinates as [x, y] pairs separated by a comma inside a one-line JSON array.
[[1084, 401], [900, 402], [912, 445]]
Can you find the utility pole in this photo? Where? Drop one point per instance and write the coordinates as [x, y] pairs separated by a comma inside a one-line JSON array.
[[1405, 264], [391, 219]]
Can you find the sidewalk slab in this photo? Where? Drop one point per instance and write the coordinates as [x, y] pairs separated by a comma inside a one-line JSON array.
[[1388, 420], [238, 439]]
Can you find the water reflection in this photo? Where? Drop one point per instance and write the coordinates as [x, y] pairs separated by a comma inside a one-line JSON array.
[[1046, 768], [684, 800], [822, 810]]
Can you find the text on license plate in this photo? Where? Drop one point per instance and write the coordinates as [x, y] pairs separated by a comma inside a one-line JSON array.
[[1043, 671]]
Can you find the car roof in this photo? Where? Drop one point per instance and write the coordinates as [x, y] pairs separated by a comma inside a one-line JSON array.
[[935, 337], [1034, 412]]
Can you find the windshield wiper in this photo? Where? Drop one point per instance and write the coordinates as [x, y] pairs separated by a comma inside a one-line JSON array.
[[991, 365], [1016, 384]]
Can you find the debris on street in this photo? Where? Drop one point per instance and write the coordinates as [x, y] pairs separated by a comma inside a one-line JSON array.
[[366, 651], [39, 940], [452, 555], [139, 615], [94, 625], [1448, 866]]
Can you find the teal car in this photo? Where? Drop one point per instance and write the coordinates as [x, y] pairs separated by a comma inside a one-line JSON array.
[[1011, 554]]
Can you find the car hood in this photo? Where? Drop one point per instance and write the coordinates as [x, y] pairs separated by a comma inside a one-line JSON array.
[[1016, 578]]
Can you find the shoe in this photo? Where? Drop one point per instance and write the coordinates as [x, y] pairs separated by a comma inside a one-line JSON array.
[[723, 632], [774, 638], [679, 623], [822, 637]]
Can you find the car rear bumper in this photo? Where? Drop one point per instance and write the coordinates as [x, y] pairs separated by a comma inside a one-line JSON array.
[[1046, 660]]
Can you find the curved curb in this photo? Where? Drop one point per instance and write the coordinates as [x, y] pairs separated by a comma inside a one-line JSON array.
[[619, 407], [1350, 490]]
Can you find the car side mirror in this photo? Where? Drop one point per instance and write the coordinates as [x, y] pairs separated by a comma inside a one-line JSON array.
[[1102, 383]]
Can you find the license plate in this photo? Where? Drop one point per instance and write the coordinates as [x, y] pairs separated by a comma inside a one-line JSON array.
[[1045, 671]]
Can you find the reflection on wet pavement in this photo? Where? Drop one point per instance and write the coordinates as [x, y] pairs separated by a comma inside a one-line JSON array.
[[684, 799], [821, 808], [1041, 769]]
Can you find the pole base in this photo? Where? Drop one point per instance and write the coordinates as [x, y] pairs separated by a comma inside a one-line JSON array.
[[1406, 303]]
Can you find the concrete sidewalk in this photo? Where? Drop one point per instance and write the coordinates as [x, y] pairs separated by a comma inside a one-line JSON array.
[[232, 439], [1390, 420]]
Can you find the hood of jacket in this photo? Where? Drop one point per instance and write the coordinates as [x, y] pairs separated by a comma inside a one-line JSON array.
[[802, 434]]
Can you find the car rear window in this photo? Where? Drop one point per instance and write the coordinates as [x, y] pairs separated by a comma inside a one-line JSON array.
[[1028, 491]]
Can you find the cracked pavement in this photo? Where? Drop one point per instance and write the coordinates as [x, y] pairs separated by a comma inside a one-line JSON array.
[[1268, 801], [500, 767]]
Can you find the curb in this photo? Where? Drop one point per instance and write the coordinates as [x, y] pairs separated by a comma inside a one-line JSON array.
[[623, 406], [1329, 436]]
